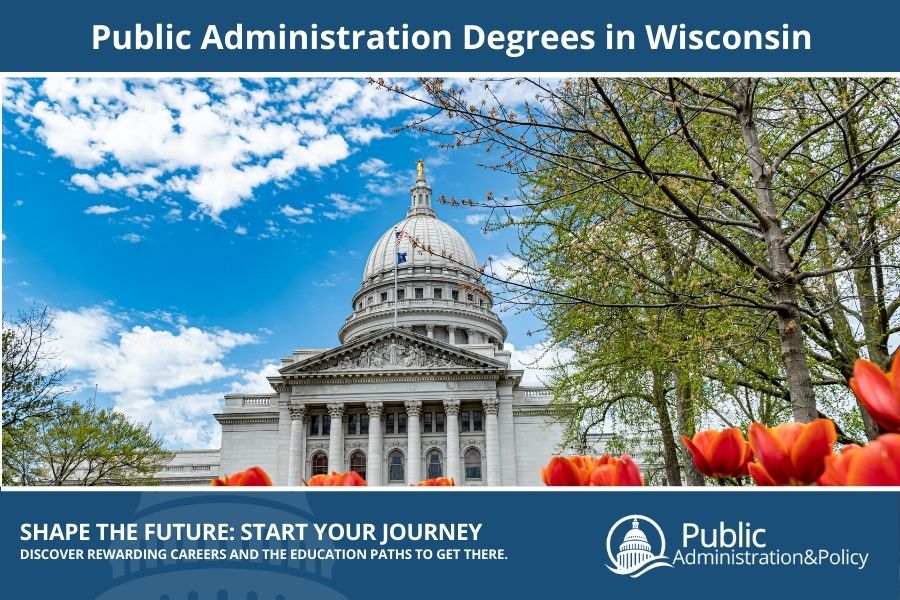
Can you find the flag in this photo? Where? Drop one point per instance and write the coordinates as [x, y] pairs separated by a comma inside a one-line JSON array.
[[399, 235], [401, 258]]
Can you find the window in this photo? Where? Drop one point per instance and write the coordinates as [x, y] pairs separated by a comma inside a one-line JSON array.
[[319, 464], [395, 466], [480, 302], [401, 294], [326, 424], [352, 420], [314, 425], [426, 422], [464, 418], [383, 296], [439, 422], [455, 294], [476, 420], [369, 300], [363, 424], [435, 464], [401, 422], [420, 293], [358, 463], [359, 306], [473, 464], [389, 423], [470, 297], [438, 293]]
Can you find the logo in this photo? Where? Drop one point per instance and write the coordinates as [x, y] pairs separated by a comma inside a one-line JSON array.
[[635, 555]]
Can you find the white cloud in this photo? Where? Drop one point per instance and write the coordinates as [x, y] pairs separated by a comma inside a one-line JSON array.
[[240, 230], [297, 216], [173, 216], [374, 167], [476, 218], [509, 268], [538, 361], [140, 365], [392, 187], [331, 281], [289, 211], [363, 134], [343, 207], [131, 238], [183, 421], [103, 209], [215, 140], [255, 382]]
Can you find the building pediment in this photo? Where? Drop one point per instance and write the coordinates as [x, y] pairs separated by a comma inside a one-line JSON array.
[[392, 351]]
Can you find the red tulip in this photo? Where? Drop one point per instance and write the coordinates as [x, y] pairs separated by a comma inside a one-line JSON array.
[[879, 392], [350, 478], [568, 470], [616, 471], [876, 463], [437, 482], [792, 453], [254, 476], [720, 454], [594, 471]]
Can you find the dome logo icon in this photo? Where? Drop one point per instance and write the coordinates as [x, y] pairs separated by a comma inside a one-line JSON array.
[[635, 555]]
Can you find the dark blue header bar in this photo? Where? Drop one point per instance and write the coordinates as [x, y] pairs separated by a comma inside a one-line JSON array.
[[418, 37]]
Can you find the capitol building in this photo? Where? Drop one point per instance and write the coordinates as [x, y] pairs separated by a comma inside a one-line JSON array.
[[419, 387]]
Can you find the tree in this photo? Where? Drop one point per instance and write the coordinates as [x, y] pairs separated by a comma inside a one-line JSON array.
[[81, 444], [48, 439], [33, 381], [768, 174]]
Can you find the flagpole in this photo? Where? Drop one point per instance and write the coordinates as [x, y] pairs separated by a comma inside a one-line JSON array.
[[396, 262]]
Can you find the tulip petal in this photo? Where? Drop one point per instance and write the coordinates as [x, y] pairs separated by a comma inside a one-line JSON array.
[[697, 456], [809, 451], [877, 393], [726, 452], [836, 466], [760, 475], [877, 463], [893, 375], [631, 474], [254, 476], [561, 472], [771, 453]]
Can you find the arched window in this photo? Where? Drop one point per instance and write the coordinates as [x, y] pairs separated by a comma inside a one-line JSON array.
[[395, 466], [358, 463], [435, 464], [320, 464], [473, 464]]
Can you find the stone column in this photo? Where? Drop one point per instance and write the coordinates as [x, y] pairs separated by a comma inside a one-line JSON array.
[[414, 442], [280, 473], [297, 456], [451, 408], [507, 432], [374, 464], [471, 334], [451, 331], [336, 437], [491, 407], [429, 329]]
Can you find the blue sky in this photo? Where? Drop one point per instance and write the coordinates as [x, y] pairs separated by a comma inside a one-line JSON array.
[[190, 232]]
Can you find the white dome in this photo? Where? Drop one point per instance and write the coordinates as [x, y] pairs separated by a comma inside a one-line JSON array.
[[429, 231], [437, 290]]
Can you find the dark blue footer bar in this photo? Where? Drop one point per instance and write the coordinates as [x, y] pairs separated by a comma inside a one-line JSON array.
[[228, 545]]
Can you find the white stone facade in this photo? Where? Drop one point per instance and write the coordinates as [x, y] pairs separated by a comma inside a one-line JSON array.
[[419, 387]]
